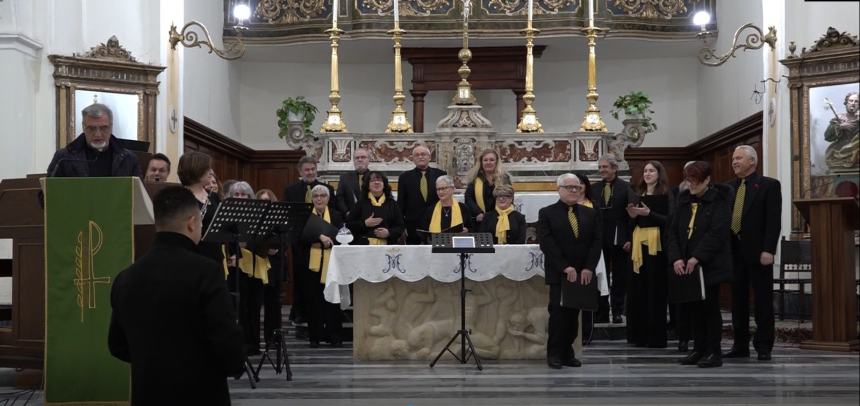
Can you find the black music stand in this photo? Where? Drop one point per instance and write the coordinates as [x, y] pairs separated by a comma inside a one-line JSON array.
[[251, 221], [463, 244]]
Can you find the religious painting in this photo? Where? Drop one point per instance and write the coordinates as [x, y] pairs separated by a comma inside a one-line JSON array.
[[834, 139]]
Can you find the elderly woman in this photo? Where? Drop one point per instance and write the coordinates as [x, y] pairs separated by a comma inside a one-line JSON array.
[[484, 176], [699, 241], [448, 215], [376, 218], [323, 317], [195, 172], [507, 225]]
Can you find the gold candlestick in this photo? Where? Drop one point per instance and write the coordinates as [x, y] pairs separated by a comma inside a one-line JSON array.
[[529, 122], [399, 122], [464, 89], [592, 120], [334, 121]]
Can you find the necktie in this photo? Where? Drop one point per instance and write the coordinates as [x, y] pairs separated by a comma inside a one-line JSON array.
[[423, 185], [308, 194], [574, 224], [607, 193], [738, 210], [694, 208]]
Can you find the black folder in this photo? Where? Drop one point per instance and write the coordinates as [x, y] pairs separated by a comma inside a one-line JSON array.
[[575, 295], [316, 226], [687, 288], [657, 203]]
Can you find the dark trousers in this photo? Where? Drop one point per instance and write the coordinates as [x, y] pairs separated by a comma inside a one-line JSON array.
[[683, 322], [707, 321], [563, 327], [299, 283], [646, 300], [761, 279], [271, 309], [324, 318], [618, 270], [412, 236]]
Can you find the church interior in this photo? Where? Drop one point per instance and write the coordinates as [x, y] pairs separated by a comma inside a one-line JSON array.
[[552, 86]]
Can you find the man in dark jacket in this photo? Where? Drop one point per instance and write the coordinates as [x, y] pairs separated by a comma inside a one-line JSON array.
[[416, 192], [569, 235], [351, 184], [756, 216], [96, 152], [610, 197], [172, 316]]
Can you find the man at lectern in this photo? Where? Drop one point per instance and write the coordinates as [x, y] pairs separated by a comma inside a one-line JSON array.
[[172, 318], [96, 152]]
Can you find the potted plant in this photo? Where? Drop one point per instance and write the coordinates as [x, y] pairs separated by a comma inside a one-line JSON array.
[[295, 110], [635, 105]]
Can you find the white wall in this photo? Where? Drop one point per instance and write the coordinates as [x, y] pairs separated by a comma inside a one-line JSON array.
[[366, 91], [808, 21]]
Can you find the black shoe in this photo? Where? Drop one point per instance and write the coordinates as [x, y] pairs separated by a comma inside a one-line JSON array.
[[554, 363], [573, 362], [336, 344], [764, 356], [711, 361], [617, 320], [315, 344], [737, 353], [683, 345], [691, 359]]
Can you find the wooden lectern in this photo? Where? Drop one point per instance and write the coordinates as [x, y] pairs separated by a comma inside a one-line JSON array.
[[832, 222]]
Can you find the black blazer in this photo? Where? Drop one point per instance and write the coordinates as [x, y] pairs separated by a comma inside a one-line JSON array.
[[302, 249], [174, 321], [517, 232], [71, 161], [409, 199], [296, 192], [614, 216], [760, 221], [388, 212], [489, 200], [348, 192], [560, 248], [709, 242], [468, 218]]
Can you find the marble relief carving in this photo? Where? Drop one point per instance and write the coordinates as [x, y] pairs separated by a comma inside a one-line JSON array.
[[652, 8], [292, 11], [589, 149], [407, 7], [394, 152], [341, 150], [534, 151], [507, 319]]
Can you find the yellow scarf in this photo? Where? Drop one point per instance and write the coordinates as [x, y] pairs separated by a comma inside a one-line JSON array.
[[479, 193], [436, 220], [376, 203], [587, 203], [318, 254], [503, 225], [649, 236], [246, 264]]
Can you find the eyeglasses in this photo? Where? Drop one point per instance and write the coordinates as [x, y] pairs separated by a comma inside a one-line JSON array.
[[105, 129], [317, 195], [572, 188], [509, 197], [442, 189]]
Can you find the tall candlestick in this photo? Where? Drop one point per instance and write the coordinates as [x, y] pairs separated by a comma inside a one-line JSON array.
[[531, 12], [590, 13], [396, 14], [334, 13]]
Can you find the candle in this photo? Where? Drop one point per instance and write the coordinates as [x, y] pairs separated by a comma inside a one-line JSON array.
[[396, 12], [531, 11], [590, 13], [334, 13]]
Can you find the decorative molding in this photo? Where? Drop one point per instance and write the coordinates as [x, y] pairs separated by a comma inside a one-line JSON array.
[[832, 39], [110, 50], [21, 43]]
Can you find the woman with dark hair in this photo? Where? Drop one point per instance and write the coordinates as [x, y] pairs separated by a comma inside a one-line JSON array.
[[699, 242], [195, 173], [646, 297], [507, 225], [376, 219], [484, 176]]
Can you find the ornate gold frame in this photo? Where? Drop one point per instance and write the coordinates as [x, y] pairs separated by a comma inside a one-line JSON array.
[[108, 68], [833, 60]]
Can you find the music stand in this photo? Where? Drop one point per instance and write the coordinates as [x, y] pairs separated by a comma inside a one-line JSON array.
[[463, 244], [250, 221]]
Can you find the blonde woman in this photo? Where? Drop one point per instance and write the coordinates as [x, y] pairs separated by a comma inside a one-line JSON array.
[[483, 178]]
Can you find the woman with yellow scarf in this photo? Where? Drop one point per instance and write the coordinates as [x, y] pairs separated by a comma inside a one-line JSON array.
[[647, 294], [323, 317], [376, 218], [507, 225], [484, 176], [447, 215]]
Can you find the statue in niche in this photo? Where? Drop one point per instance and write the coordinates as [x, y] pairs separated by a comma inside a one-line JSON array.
[[464, 157], [843, 133], [531, 326]]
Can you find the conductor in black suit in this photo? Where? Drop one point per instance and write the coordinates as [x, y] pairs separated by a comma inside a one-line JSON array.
[[611, 196], [569, 235], [297, 193], [756, 216], [172, 316], [351, 184], [416, 192]]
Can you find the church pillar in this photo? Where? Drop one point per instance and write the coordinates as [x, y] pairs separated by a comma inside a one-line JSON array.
[[418, 109], [520, 103]]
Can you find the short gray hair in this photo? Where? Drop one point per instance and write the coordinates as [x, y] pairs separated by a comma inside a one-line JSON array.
[[750, 151], [563, 177], [241, 186], [307, 159], [447, 180], [320, 188], [610, 159], [96, 110]]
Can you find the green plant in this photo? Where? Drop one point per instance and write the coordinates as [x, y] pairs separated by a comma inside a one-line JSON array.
[[635, 104], [299, 107]]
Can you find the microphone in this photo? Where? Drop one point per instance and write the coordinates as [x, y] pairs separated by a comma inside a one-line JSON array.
[[62, 160]]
